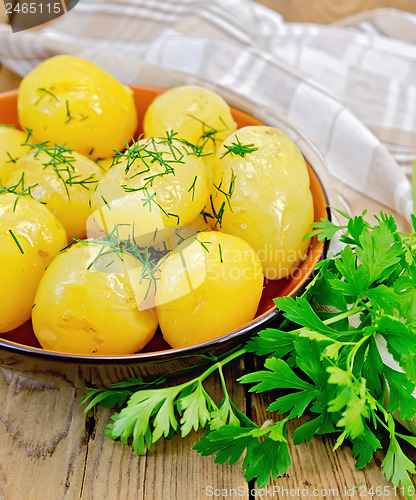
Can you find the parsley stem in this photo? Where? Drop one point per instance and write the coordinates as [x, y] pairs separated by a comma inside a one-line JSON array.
[[219, 364], [353, 352], [341, 316], [223, 383]]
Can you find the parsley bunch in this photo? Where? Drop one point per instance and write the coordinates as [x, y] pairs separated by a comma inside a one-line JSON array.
[[325, 359]]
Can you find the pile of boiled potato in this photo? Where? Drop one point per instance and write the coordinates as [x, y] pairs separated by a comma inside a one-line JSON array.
[[103, 237]]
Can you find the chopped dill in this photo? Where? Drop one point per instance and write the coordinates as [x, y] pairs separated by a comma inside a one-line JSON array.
[[18, 189], [238, 149], [217, 215], [84, 182], [11, 159], [149, 154], [206, 215], [29, 134], [176, 217], [106, 202], [151, 198], [220, 250], [16, 241], [45, 92], [68, 113], [193, 188], [228, 195], [111, 244], [209, 133], [203, 244], [61, 160]]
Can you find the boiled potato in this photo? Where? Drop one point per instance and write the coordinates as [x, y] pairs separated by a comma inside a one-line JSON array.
[[206, 288], [63, 180], [196, 114], [86, 303], [68, 100], [107, 163], [11, 149], [262, 186], [30, 237], [157, 184]]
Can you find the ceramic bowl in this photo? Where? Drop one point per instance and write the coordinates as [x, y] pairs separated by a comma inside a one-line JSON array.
[[20, 350]]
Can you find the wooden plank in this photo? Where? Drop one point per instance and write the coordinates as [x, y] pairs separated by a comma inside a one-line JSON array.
[[328, 11], [43, 438]]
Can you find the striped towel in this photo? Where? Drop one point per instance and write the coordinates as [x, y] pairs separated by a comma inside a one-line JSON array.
[[349, 88]]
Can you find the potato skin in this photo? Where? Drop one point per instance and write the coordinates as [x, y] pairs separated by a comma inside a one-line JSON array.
[[67, 200], [195, 113], [207, 287], [69, 100], [41, 236], [91, 311], [271, 202]]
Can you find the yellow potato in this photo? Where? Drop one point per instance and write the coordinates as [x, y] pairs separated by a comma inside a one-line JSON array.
[[262, 187], [68, 100], [30, 237], [63, 180], [86, 304], [196, 114], [207, 287], [107, 163], [159, 185], [11, 149]]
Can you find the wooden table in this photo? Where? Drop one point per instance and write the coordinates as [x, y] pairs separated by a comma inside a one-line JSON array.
[[51, 450]]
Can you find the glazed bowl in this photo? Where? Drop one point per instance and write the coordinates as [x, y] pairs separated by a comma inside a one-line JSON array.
[[20, 350]]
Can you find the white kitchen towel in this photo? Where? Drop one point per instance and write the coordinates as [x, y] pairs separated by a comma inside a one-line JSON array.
[[350, 88]]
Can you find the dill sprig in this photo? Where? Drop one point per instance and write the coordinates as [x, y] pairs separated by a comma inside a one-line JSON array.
[[16, 241], [209, 133], [62, 161], [228, 193], [68, 113], [206, 215], [192, 188], [84, 182], [112, 244], [156, 157], [238, 149], [148, 152], [18, 189], [11, 159], [29, 134], [45, 92], [106, 202], [217, 215]]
